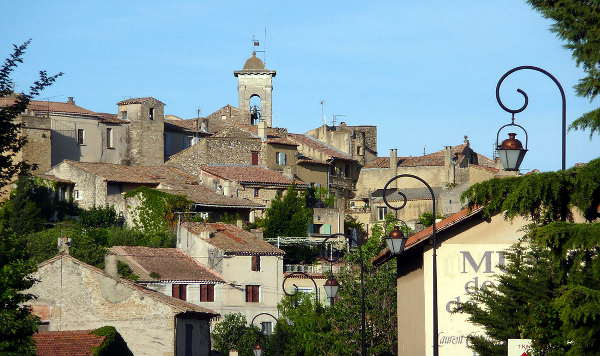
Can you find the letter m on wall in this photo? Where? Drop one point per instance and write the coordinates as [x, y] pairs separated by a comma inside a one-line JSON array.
[[485, 261]]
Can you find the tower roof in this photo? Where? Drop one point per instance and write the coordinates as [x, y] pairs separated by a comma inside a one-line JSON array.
[[254, 63]]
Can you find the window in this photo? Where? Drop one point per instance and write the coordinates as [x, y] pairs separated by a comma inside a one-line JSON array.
[[266, 327], [347, 170], [207, 292], [255, 158], [381, 212], [359, 150], [256, 191], [80, 136], [77, 195], [151, 114], [188, 141], [179, 291], [281, 159], [109, 137], [123, 115], [255, 263], [252, 294]]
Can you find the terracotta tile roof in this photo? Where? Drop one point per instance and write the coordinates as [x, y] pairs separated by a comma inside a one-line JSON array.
[[179, 306], [426, 233], [379, 162], [250, 174], [49, 106], [66, 343], [135, 174], [313, 143], [489, 169], [147, 99], [205, 196], [110, 118], [275, 135], [187, 125], [311, 161], [233, 240], [410, 193], [170, 263]]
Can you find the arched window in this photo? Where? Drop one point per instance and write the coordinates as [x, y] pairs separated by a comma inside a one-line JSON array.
[[255, 109]]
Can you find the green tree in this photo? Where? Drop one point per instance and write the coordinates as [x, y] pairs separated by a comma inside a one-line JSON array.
[[380, 296], [288, 215], [576, 22], [549, 288], [232, 333], [16, 322]]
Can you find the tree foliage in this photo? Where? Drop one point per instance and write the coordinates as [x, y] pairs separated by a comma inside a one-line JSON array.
[[576, 22], [542, 197], [233, 333], [287, 215], [16, 322]]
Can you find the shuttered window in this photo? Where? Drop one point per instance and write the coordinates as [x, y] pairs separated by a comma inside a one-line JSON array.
[[179, 291], [207, 292], [255, 263], [252, 294]]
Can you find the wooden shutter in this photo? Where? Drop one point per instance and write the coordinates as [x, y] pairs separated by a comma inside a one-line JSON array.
[[203, 293], [175, 290], [182, 291], [210, 292], [252, 294], [248, 293], [255, 263], [254, 158]]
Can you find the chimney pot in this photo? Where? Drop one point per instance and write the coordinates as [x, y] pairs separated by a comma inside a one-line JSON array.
[[71, 100]]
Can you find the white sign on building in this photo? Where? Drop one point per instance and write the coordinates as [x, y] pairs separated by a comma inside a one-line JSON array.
[[462, 268]]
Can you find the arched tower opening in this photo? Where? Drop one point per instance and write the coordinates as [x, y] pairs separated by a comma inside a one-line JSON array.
[[255, 109]]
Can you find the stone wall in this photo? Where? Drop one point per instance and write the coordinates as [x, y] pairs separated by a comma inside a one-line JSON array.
[[215, 150], [313, 173], [268, 155], [92, 189], [74, 297], [145, 140], [39, 147]]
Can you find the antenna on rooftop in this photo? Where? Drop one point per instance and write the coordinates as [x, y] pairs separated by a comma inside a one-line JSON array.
[[323, 112], [425, 146]]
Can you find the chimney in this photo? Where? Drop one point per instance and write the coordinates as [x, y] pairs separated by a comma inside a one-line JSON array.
[[63, 244], [258, 233], [447, 155], [71, 100], [289, 172], [110, 265], [262, 130], [227, 188], [467, 141], [393, 158]]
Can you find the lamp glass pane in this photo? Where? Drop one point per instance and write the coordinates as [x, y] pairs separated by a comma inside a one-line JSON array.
[[395, 245], [511, 159], [257, 352], [331, 291]]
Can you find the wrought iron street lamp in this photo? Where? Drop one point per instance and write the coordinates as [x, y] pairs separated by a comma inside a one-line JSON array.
[[296, 287], [331, 288], [259, 314], [398, 240], [511, 150]]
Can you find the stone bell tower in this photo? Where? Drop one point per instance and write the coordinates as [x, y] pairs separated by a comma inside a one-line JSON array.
[[255, 85]]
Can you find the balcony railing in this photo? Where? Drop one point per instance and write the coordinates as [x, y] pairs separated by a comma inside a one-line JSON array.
[[310, 269]]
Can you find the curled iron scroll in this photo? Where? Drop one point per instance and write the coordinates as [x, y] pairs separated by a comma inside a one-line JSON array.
[[405, 200], [296, 287]]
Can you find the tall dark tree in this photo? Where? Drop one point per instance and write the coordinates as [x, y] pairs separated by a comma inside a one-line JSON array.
[[288, 215], [578, 23], [16, 322]]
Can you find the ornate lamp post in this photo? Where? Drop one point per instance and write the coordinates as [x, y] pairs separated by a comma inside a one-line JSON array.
[[511, 150], [259, 314], [296, 287], [397, 241]]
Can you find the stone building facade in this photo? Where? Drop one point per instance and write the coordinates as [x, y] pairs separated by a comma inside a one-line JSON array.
[[251, 267], [145, 144], [359, 142], [72, 295]]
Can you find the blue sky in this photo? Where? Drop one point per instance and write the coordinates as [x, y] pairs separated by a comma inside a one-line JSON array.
[[424, 72]]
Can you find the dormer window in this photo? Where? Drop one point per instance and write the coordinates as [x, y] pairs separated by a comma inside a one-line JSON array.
[[281, 159], [151, 114]]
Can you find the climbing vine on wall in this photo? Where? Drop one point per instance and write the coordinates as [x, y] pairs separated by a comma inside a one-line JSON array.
[[156, 210]]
